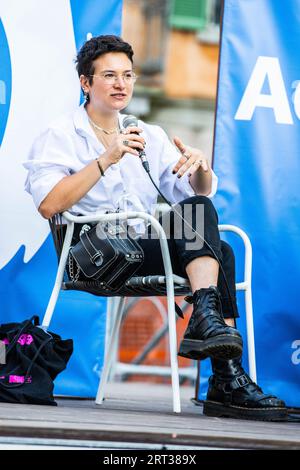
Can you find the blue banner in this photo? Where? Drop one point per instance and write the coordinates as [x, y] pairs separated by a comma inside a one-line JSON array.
[[256, 156], [35, 88]]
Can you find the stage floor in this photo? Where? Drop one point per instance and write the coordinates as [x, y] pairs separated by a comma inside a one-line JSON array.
[[136, 416]]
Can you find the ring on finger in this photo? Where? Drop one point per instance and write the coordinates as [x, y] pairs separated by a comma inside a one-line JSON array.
[[126, 143], [197, 162], [186, 155]]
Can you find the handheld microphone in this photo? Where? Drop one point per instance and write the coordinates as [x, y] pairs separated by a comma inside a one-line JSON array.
[[131, 121]]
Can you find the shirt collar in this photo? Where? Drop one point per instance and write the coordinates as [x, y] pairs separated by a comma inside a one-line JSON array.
[[81, 122]]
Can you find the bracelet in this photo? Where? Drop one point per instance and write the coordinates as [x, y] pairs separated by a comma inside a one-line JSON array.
[[100, 167]]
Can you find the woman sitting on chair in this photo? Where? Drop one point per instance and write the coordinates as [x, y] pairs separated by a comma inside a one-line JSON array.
[[87, 162]]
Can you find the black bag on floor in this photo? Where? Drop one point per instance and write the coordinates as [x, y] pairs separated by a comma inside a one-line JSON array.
[[33, 359]]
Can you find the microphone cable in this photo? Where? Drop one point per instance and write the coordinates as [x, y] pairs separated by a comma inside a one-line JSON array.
[[130, 121], [147, 169]]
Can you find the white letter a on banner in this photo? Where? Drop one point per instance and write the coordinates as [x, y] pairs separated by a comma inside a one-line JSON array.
[[277, 99]]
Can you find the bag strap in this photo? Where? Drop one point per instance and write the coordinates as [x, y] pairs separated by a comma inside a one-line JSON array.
[[44, 343], [94, 254]]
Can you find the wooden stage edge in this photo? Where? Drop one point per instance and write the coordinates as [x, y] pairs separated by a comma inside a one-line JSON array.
[[142, 414]]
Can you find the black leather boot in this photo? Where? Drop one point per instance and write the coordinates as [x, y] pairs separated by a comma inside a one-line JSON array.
[[207, 334], [232, 394]]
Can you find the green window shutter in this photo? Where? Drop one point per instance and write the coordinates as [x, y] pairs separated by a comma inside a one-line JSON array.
[[188, 14]]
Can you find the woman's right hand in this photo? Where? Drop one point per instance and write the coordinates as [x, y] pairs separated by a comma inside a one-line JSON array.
[[126, 142]]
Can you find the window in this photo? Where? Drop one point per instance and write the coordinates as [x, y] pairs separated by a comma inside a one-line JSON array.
[[188, 14], [211, 32]]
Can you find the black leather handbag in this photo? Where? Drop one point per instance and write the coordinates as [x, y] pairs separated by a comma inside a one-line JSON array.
[[107, 253]]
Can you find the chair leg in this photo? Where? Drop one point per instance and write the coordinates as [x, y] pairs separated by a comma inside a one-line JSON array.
[[171, 320], [59, 277], [119, 306], [110, 318], [113, 339], [173, 355], [250, 334]]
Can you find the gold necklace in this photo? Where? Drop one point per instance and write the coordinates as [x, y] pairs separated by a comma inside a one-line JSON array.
[[105, 140], [106, 131]]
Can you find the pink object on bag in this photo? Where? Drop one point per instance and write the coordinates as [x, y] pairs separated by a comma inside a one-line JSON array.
[[25, 339], [16, 379]]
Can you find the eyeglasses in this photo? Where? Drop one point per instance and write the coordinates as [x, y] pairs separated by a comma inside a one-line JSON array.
[[111, 78]]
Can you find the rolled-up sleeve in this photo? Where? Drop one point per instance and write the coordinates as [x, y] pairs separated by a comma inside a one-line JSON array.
[[176, 189], [47, 164]]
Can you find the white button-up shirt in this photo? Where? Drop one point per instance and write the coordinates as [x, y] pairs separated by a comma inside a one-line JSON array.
[[70, 143]]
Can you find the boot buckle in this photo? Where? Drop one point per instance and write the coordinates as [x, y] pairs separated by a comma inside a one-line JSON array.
[[241, 381]]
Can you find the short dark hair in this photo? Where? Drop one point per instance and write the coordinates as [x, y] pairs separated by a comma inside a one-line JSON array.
[[96, 47]]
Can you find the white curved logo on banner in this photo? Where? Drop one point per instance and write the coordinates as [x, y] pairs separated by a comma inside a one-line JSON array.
[[39, 38], [5, 81]]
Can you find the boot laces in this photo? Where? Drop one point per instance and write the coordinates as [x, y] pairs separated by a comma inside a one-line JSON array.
[[214, 299], [213, 302]]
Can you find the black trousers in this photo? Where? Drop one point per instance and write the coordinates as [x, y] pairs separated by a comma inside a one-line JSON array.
[[201, 215]]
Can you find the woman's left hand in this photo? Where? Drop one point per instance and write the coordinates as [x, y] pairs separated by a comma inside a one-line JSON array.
[[192, 159]]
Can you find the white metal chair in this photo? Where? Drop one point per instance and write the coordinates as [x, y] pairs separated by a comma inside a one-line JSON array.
[[117, 367], [169, 285], [189, 372]]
